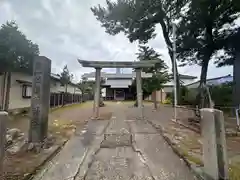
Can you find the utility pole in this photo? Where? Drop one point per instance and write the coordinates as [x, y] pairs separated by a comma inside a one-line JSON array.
[[174, 71]]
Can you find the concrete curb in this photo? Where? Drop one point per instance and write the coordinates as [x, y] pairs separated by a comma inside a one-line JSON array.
[[194, 168], [45, 161]]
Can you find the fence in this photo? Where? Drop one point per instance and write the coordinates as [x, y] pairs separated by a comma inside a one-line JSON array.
[[61, 99]]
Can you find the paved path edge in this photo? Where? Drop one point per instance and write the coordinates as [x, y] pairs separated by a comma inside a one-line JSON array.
[[35, 171], [198, 172]]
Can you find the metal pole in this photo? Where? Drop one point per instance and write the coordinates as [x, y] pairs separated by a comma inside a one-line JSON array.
[[174, 71]]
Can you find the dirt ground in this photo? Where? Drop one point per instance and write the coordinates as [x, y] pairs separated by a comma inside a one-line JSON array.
[[62, 125], [64, 121]]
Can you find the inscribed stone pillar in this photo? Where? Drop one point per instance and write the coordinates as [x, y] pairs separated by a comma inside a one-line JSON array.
[[97, 92], [40, 99], [139, 91], [214, 144], [3, 121]]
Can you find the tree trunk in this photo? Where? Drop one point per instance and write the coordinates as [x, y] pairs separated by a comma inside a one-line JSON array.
[[202, 85], [178, 87], [66, 86], [154, 99]]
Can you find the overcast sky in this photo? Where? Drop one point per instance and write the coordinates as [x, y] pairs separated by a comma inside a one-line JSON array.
[[66, 30]]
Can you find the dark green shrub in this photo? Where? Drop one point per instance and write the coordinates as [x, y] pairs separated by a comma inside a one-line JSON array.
[[222, 94]]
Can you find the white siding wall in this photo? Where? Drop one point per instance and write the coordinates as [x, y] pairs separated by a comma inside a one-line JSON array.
[[16, 100], [184, 81], [70, 89], [56, 87], [78, 91], [119, 83], [195, 85]]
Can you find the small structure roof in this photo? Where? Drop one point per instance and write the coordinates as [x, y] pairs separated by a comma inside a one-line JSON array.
[[118, 64], [116, 75], [215, 81]]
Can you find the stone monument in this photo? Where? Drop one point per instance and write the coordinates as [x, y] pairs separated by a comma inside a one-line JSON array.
[[214, 144], [40, 99]]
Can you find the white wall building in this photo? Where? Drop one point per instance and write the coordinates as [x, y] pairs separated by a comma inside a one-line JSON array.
[[21, 89], [212, 81], [122, 81]]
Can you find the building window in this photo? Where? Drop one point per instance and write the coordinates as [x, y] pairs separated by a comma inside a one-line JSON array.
[[26, 91]]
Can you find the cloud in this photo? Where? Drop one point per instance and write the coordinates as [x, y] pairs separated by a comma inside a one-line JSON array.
[[67, 30]]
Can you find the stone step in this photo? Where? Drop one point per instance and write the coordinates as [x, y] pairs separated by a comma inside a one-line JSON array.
[[116, 140]]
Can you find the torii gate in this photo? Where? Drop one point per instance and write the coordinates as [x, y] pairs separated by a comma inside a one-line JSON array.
[[98, 65]]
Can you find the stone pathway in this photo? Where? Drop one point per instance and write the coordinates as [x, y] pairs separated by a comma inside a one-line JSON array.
[[116, 149]]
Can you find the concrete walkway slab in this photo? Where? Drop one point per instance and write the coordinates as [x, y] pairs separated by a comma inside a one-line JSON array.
[[67, 163], [162, 162], [117, 126], [130, 150], [142, 127], [116, 164]]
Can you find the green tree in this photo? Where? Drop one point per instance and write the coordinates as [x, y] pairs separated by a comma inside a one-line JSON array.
[[201, 34], [138, 19], [231, 57], [86, 86], [66, 77], [159, 72], [16, 55], [231, 49]]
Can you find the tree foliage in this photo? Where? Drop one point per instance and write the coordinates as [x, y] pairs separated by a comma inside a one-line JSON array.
[[137, 19], [159, 71], [16, 54], [231, 49], [65, 77], [202, 33], [86, 86], [16, 51]]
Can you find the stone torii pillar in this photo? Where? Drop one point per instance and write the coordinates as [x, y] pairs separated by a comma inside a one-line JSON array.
[[97, 92], [139, 91]]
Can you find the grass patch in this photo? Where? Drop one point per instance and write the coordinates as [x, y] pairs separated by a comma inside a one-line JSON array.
[[70, 106], [192, 143], [189, 157], [234, 171]]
